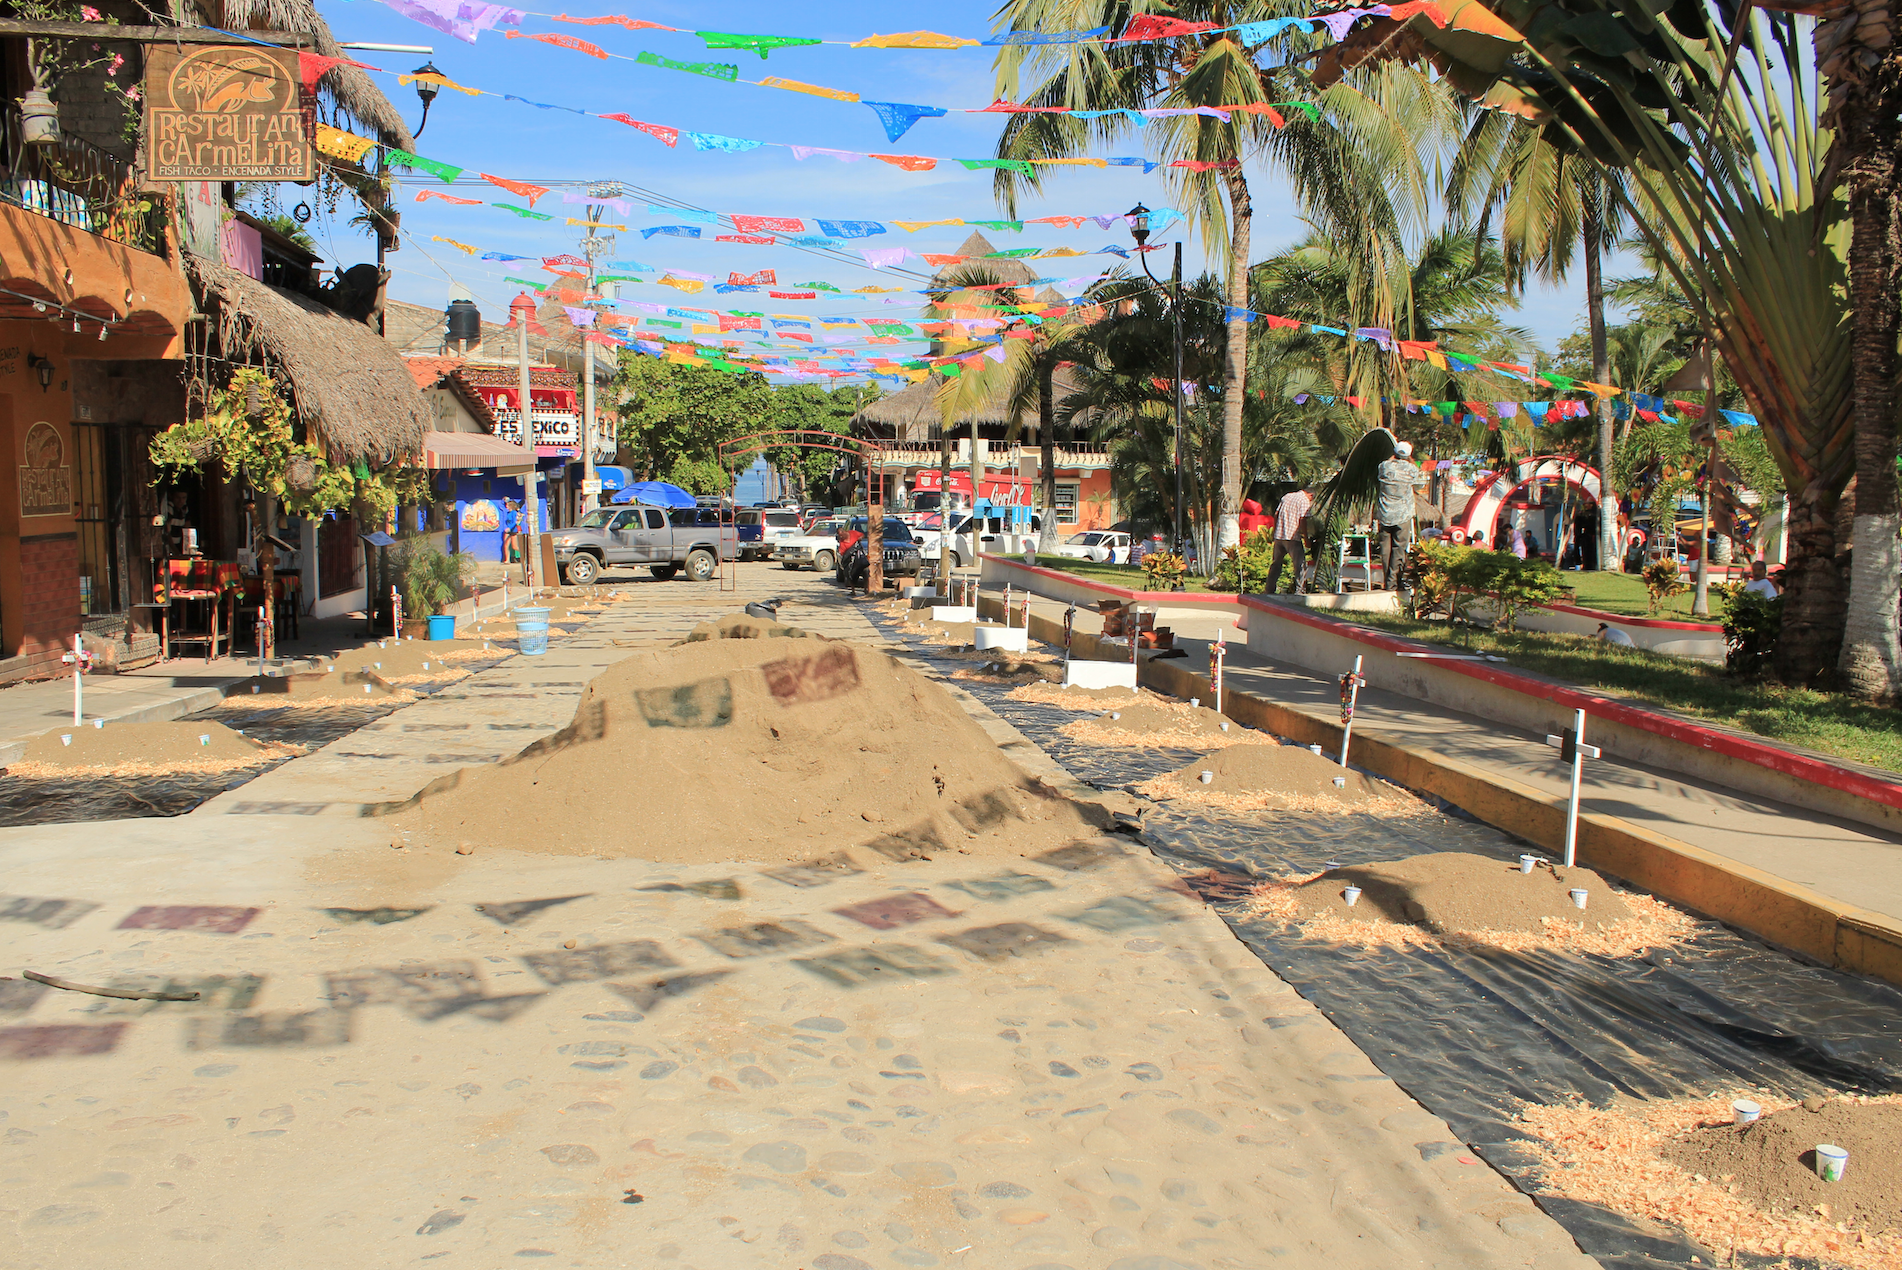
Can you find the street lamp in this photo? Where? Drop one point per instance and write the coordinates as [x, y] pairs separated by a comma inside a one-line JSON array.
[[1138, 218], [427, 90]]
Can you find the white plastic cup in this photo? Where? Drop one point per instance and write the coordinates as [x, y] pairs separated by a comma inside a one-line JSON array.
[[1207, 778], [1351, 895], [1743, 1111], [1340, 782], [204, 738], [1330, 864], [1578, 897], [1830, 1163], [1116, 714], [65, 740], [1314, 749], [1224, 727], [1526, 862], [1194, 702], [99, 723]]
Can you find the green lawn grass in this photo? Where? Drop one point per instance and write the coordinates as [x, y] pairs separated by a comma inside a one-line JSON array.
[[1825, 722], [1625, 593]]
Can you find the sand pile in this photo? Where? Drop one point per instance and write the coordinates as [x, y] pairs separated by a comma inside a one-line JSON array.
[[1772, 1163], [1153, 722], [416, 660], [1737, 1191], [146, 748], [754, 749], [1456, 895], [1273, 777], [1095, 700], [323, 687], [1453, 891], [994, 666]]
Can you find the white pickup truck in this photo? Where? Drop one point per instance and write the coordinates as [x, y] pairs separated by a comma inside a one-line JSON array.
[[994, 534], [1105, 546], [816, 549]]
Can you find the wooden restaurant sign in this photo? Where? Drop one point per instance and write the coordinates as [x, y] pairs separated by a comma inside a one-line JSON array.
[[227, 113]]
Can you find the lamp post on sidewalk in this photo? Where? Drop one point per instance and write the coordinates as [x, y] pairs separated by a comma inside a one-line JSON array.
[[1139, 230]]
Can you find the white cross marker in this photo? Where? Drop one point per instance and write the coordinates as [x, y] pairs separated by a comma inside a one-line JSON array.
[[1572, 748]]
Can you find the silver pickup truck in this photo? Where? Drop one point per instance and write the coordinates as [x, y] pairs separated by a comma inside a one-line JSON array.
[[661, 541]]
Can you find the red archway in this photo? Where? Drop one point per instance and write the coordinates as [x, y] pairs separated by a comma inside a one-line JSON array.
[[1493, 491]]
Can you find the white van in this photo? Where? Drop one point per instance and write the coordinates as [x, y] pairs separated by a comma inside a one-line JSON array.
[[995, 534]]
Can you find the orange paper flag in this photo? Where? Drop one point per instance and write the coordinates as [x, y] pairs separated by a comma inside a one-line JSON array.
[[564, 41], [909, 162], [523, 188]]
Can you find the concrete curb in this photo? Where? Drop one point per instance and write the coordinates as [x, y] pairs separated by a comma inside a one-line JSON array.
[[1780, 911]]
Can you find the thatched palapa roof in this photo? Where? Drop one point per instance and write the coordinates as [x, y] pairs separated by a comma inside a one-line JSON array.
[[350, 87], [352, 390]]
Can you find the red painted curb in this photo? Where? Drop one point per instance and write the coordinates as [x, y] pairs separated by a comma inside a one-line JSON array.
[[1121, 593], [1802, 767], [1653, 623]]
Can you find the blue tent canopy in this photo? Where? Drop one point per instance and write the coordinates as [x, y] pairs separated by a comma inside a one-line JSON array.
[[614, 478], [655, 494]]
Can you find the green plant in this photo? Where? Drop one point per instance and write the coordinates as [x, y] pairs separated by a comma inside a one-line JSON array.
[[1429, 578], [1751, 625], [1507, 582], [1244, 567], [1162, 570], [1663, 579], [430, 579]]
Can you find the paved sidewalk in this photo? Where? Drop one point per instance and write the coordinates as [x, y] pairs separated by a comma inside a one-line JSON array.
[[1843, 860], [1059, 1063]]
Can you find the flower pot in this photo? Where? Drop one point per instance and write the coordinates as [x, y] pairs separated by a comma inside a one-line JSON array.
[[39, 118], [442, 626], [415, 627]]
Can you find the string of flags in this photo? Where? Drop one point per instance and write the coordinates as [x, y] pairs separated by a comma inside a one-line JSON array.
[[465, 19], [670, 136]]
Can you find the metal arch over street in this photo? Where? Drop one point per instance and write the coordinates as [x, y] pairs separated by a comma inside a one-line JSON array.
[[869, 451]]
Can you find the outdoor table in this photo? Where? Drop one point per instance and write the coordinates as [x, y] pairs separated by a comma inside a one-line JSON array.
[[197, 582]]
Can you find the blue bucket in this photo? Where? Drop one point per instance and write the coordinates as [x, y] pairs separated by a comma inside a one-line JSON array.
[[531, 625], [442, 626]]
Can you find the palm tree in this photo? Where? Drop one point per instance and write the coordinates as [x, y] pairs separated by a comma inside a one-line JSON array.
[[1549, 198], [1357, 167]]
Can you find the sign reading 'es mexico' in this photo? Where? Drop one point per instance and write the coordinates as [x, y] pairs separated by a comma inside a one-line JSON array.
[[227, 113]]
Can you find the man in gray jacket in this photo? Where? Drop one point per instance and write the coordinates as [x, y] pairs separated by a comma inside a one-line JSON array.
[[1393, 512]]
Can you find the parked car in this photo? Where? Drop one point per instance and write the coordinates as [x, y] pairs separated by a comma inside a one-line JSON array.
[[994, 534], [762, 530], [662, 541], [1104, 546], [816, 549], [902, 558]]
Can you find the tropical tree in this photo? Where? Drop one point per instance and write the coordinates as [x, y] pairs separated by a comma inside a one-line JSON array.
[[1717, 128], [1548, 199], [812, 408], [1353, 157], [674, 415]]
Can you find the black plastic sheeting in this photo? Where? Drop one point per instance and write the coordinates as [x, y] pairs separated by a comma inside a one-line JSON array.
[[1473, 1033]]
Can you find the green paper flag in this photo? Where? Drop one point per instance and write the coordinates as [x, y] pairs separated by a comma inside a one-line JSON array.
[[523, 212], [1015, 253], [1557, 381], [816, 286], [539, 286], [404, 159], [1015, 226], [951, 371], [761, 44], [888, 328], [1313, 111], [712, 70], [1012, 165]]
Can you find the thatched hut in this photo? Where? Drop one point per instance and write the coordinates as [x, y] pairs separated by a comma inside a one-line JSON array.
[[349, 88], [350, 387]]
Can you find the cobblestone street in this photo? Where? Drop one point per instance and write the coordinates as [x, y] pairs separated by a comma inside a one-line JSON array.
[[1064, 1062]]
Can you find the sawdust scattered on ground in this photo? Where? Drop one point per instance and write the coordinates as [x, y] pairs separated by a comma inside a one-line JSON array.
[[1620, 1157]]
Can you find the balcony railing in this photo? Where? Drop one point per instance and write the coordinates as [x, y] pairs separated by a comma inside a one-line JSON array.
[[78, 184]]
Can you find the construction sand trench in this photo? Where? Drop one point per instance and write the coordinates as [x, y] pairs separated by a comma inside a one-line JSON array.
[[1500, 1005]]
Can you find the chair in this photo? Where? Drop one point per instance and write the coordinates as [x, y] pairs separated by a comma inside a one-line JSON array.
[[1354, 549]]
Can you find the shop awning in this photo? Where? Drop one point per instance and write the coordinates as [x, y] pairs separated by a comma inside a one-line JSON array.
[[447, 450], [612, 477]]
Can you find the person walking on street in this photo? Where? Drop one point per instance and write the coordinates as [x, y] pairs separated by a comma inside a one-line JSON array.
[[1393, 513], [1291, 531]]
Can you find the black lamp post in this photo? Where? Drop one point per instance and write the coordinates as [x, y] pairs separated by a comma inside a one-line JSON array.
[[427, 91], [1138, 217]]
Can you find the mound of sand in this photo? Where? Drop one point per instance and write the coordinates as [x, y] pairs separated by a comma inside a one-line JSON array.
[[1153, 722], [405, 658], [746, 626], [1748, 1194], [1772, 1163], [1453, 892], [325, 686], [148, 745], [754, 749], [1271, 776], [1095, 700]]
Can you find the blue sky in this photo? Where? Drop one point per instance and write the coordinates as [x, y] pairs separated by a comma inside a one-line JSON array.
[[510, 139]]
